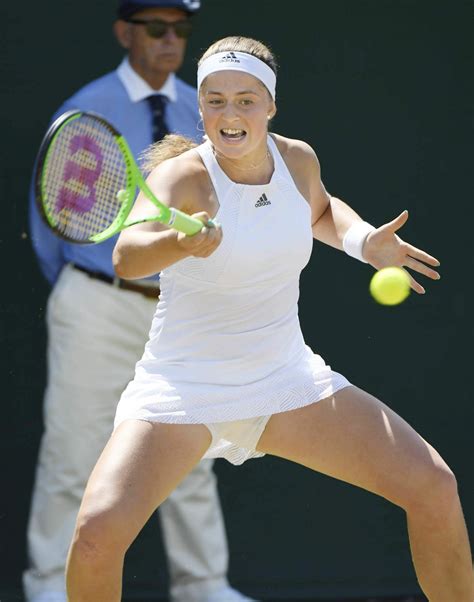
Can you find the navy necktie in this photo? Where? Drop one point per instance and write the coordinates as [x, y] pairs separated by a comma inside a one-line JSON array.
[[157, 104]]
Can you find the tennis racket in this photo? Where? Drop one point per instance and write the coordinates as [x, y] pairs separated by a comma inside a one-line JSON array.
[[86, 182]]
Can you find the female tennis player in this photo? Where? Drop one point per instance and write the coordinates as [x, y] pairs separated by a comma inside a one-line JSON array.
[[226, 372]]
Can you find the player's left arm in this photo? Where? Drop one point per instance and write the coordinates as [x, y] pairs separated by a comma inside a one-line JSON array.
[[332, 218]]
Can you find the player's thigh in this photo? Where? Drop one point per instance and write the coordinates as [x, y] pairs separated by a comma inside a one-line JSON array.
[[140, 466], [199, 484], [354, 437]]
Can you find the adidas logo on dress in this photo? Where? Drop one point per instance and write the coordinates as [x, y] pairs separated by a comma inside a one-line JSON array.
[[262, 201], [229, 58]]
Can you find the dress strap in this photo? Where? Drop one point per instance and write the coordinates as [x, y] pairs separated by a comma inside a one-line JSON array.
[[280, 166], [218, 178]]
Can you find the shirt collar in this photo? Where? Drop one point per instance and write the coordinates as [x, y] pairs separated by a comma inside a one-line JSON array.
[[138, 89]]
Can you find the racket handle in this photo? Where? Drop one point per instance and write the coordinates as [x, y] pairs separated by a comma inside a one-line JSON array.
[[184, 223]]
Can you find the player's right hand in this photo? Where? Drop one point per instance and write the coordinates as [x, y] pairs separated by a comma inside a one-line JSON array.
[[205, 242]]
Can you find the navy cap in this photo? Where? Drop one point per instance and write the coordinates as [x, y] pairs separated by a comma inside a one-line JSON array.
[[127, 8]]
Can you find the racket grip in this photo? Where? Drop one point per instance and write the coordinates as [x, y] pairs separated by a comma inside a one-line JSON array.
[[184, 223]]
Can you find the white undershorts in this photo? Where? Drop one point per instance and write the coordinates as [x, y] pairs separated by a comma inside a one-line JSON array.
[[236, 440]]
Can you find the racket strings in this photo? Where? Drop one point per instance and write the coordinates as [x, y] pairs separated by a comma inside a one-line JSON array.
[[84, 170]]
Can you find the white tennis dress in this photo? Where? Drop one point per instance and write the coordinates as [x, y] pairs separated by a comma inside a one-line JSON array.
[[225, 343]]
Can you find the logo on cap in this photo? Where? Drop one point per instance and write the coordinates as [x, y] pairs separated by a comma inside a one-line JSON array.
[[229, 58], [192, 4]]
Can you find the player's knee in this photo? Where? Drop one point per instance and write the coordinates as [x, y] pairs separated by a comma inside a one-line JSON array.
[[444, 489], [95, 538], [437, 492]]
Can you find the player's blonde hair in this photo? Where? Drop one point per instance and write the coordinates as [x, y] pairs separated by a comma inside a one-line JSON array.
[[242, 44], [171, 146]]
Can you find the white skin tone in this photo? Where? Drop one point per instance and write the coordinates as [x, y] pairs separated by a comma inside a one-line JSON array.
[[152, 58], [351, 435]]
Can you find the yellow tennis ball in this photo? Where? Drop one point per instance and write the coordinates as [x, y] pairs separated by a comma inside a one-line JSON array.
[[122, 195], [390, 286]]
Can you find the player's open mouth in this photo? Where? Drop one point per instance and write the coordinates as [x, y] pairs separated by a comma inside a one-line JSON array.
[[232, 134]]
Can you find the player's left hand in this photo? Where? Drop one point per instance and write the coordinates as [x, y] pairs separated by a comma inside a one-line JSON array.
[[384, 248]]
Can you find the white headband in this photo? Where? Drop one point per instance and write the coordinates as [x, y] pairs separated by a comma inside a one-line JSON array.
[[237, 61]]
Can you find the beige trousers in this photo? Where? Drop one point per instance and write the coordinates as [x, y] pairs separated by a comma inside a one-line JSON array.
[[96, 333]]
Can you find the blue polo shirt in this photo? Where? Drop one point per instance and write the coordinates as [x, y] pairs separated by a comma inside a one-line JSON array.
[[120, 96]]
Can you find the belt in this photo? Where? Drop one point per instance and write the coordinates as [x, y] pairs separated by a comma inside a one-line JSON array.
[[149, 291]]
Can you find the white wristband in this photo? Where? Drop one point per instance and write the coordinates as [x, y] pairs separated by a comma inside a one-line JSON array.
[[354, 239]]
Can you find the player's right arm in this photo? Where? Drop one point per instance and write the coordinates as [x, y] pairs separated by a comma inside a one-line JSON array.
[[145, 249]]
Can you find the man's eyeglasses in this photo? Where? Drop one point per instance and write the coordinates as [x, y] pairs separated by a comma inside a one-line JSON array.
[[157, 28]]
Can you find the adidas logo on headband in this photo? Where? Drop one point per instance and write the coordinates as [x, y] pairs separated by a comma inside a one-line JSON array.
[[229, 58]]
